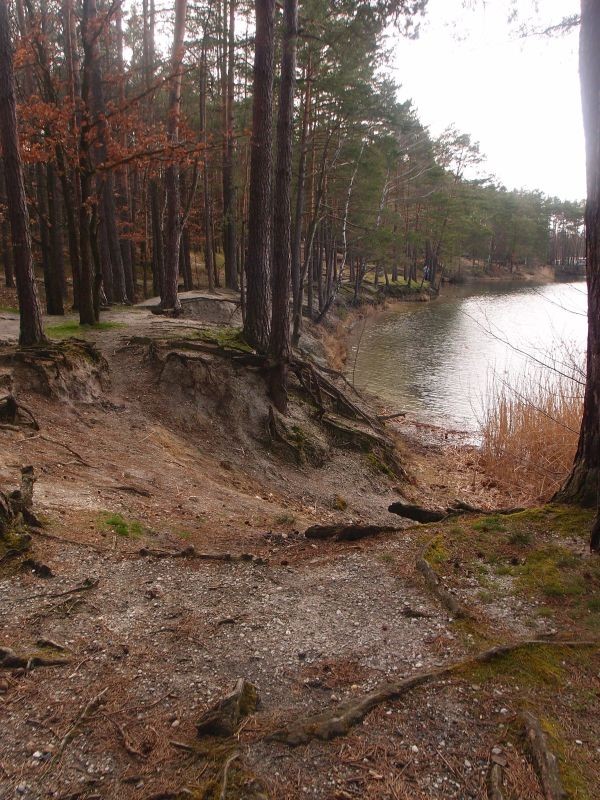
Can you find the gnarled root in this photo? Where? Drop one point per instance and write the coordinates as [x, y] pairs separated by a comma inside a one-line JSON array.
[[338, 721]]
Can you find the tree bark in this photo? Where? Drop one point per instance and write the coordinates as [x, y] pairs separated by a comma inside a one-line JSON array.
[[297, 277], [207, 216], [229, 201], [9, 275], [279, 343], [258, 260], [31, 331], [169, 296], [582, 485]]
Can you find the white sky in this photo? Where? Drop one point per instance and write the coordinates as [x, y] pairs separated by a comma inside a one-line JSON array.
[[519, 97]]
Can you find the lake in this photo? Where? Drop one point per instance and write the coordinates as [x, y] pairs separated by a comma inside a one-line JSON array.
[[437, 360]]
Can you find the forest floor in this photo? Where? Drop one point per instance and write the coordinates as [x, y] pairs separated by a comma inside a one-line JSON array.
[[170, 453]]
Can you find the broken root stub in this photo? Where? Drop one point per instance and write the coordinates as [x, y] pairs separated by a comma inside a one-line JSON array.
[[544, 759], [224, 718], [446, 598]]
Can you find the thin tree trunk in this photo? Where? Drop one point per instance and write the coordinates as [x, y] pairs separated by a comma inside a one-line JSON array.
[[279, 342], [169, 296], [207, 215], [31, 331], [229, 201], [9, 274], [297, 282], [258, 260]]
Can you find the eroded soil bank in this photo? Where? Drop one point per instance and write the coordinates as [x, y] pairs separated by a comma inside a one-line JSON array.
[[172, 561]]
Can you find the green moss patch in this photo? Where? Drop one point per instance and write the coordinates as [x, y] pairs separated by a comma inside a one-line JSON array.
[[122, 527], [65, 330]]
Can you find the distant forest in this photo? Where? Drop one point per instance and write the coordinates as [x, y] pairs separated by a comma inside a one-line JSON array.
[[370, 184]]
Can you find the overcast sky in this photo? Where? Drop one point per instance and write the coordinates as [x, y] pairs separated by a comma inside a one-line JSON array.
[[519, 97]]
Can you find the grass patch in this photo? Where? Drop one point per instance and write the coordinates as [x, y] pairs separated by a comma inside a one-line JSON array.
[[285, 519], [520, 538], [127, 528], [9, 309], [64, 330], [490, 524]]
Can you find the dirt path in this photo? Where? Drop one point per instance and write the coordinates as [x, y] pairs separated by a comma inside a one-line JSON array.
[[311, 624]]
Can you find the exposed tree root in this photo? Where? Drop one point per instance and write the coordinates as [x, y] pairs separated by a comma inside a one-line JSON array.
[[191, 552], [446, 598], [544, 759], [347, 533], [10, 660], [425, 515], [338, 721]]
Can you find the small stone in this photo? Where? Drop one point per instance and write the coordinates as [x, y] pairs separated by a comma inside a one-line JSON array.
[[414, 748]]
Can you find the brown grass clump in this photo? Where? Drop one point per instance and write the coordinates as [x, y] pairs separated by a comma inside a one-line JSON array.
[[529, 432]]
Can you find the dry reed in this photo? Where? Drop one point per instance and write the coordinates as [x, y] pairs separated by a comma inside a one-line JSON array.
[[529, 430]]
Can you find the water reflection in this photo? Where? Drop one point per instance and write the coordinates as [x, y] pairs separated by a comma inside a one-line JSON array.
[[435, 359]]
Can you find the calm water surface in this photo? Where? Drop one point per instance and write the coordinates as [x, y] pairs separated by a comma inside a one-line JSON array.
[[436, 360]]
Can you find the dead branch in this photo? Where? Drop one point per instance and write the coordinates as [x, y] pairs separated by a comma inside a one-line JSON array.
[[347, 533], [88, 583], [128, 746], [88, 710], [191, 552], [545, 761], [228, 763], [338, 721], [60, 444]]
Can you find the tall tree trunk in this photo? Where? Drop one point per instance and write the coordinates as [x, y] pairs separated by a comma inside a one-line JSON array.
[[297, 281], [258, 260], [583, 484], [54, 304], [229, 201], [9, 274], [88, 309], [279, 342], [105, 185], [31, 331], [207, 216], [55, 222], [169, 297], [122, 177]]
